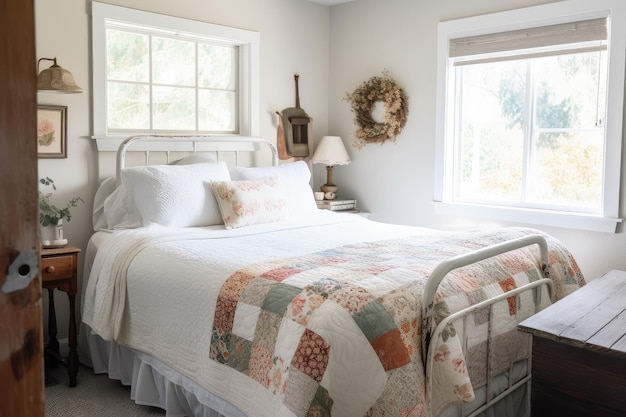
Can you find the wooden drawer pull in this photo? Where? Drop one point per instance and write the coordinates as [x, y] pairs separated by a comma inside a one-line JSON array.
[[50, 269]]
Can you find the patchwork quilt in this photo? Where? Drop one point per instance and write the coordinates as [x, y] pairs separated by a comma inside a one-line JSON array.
[[338, 332]]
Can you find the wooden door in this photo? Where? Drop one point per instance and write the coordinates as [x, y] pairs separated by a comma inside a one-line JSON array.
[[21, 340]]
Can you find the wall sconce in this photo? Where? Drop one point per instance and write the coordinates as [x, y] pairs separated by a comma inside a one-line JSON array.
[[330, 152], [56, 79]]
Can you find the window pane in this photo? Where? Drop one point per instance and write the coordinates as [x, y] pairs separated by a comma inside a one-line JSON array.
[[567, 90], [563, 162], [216, 110], [174, 108], [173, 62], [567, 169], [128, 106], [216, 67], [491, 132], [127, 56]]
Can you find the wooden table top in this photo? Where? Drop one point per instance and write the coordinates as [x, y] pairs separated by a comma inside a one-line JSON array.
[[592, 317], [61, 250]]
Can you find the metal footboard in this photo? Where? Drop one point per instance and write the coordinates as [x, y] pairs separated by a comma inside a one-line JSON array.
[[428, 299]]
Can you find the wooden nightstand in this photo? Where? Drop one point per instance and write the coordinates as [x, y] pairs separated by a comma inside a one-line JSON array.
[[59, 271], [579, 351]]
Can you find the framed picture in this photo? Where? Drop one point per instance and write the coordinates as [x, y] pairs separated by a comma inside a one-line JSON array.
[[51, 131]]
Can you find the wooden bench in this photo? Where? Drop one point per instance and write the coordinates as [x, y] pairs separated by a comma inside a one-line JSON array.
[[579, 352]]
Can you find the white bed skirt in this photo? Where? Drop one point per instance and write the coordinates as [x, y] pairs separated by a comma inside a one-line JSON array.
[[156, 384], [152, 382]]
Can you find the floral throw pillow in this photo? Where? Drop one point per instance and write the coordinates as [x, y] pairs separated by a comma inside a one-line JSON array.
[[244, 203]]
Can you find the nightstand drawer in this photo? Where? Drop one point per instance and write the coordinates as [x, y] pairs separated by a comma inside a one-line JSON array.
[[58, 267]]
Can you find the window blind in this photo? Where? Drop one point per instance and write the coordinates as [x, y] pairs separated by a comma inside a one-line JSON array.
[[535, 37]]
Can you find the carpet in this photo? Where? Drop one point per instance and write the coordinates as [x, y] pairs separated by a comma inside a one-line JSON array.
[[94, 396]]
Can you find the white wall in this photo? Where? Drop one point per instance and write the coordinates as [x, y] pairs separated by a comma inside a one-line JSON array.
[[294, 39], [395, 181]]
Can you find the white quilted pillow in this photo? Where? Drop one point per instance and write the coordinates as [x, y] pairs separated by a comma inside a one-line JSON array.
[[244, 203], [175, 195]]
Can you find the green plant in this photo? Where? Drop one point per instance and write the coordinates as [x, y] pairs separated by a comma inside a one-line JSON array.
[[48, 212]]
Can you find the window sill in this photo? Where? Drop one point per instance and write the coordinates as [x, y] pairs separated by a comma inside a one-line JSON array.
[[530, 216]]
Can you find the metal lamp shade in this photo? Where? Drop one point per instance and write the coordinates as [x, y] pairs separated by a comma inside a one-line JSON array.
[[57, 79]]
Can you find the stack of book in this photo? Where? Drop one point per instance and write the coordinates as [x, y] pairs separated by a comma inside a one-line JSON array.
[[337, 204]]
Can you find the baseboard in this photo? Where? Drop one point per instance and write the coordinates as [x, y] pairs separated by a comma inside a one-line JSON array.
[[64, 347]]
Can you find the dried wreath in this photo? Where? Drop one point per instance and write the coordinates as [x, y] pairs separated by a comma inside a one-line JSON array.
[[363, 100]]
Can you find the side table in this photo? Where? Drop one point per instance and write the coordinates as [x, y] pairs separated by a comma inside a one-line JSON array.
[[59, 271]]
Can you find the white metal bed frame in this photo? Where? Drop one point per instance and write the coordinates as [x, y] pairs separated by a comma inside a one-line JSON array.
[[428, 297], [236, 144]]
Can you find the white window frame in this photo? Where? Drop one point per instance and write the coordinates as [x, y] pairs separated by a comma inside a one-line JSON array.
[[553, 13], [248, 43]]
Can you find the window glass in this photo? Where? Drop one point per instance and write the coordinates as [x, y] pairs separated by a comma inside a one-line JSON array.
[[154, 73], [531, 131], [128, 106], [215, 67], [127, 56], [174, 108], [185, 81], [173, 62]]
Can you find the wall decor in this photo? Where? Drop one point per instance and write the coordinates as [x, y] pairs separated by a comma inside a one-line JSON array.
[[51, 131], [378, 89]]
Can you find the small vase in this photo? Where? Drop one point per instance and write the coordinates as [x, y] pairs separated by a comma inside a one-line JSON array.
[[52, 235]]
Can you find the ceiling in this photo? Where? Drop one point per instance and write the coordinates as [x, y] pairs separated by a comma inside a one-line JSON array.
[[330, 2]]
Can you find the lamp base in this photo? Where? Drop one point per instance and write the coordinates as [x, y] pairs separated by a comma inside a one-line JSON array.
[[330, 191]]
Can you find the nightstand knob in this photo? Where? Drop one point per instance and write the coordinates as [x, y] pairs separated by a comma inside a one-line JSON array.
[[50, 269]]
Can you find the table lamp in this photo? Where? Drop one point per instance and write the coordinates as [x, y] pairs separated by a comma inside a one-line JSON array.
[[330, 152]]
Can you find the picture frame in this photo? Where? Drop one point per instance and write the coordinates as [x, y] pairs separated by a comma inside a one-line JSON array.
[[51, 131]]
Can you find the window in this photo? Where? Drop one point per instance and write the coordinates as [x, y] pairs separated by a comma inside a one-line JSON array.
[[524, 129], [160, 74]]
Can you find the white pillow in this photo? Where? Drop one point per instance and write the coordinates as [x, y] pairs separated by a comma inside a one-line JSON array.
[[105, 189], [243, 203], [194, 158], [119, 211], [293, 176], [175, 195]]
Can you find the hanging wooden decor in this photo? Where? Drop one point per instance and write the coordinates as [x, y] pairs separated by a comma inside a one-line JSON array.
[[293, 130]]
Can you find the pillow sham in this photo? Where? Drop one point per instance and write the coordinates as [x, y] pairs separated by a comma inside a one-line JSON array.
[[244, 203], [293, 176], [119, 211], [175, 195], [105, 189]]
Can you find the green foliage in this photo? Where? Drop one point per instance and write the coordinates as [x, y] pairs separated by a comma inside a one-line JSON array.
[[48, 212], [550, 112], [512, 95]]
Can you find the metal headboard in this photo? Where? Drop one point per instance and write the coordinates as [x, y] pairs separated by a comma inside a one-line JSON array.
[[192, 143]]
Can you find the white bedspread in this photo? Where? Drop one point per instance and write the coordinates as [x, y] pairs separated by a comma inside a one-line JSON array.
[[156, 289], [141, 295]]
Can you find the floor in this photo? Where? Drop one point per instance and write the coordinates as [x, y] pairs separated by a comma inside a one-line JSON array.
[[95, 395]]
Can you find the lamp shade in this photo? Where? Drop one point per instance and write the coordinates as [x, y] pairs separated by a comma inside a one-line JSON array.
[[56, 79], [331, 151]]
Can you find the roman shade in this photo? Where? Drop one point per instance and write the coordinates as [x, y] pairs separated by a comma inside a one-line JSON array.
[[562, 38]]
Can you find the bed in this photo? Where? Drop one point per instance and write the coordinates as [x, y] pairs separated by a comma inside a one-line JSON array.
[[219, 289]]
